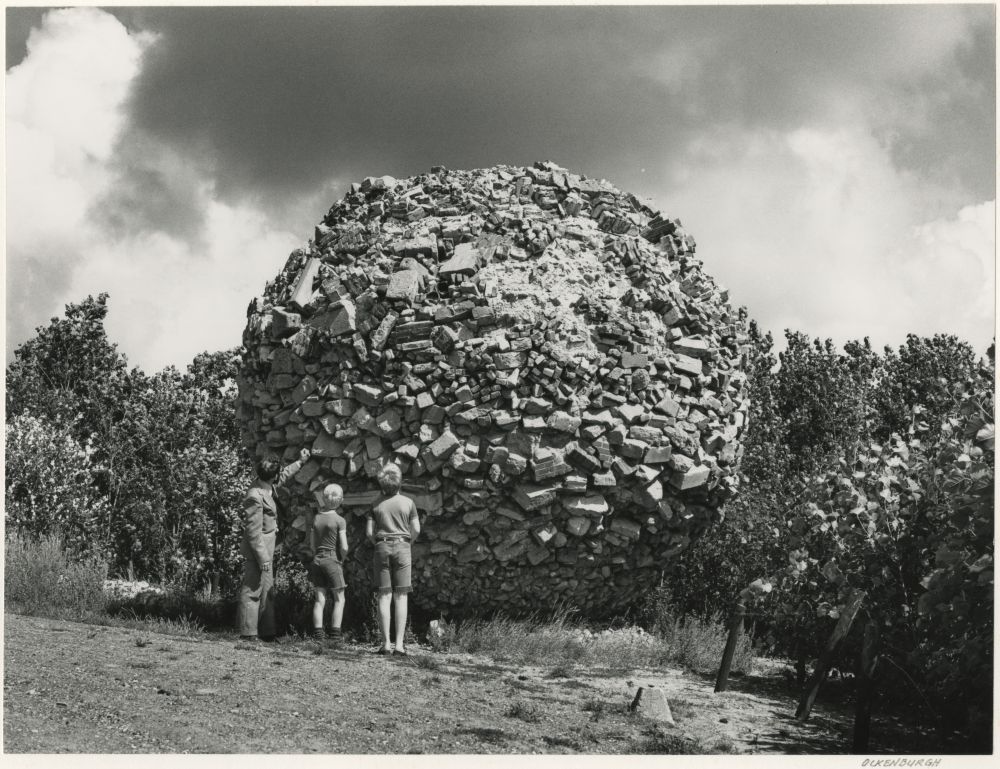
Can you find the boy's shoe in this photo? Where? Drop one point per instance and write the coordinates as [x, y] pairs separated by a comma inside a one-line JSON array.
[[317, 634], [334, 637], [399, 653], [383, 651]]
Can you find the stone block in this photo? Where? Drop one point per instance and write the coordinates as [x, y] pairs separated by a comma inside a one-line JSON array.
[[653, 704], [284, 323], [578, 525], [339, 319], [444, 445], [693, 478], [465, 261], [302, 291], [592, 506], [326, 445], [404, 285]]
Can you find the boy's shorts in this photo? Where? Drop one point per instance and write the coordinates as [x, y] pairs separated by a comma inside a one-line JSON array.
[[326, 572], [392, 567]]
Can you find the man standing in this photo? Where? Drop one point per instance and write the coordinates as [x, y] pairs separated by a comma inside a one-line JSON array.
[[260, 527]]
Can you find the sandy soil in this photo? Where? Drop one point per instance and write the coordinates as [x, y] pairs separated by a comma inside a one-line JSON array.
[[71, 687]]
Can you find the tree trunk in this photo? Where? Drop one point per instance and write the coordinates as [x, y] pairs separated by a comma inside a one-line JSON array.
[[800, 663], [826, 659], [735, 627], [867, 660]]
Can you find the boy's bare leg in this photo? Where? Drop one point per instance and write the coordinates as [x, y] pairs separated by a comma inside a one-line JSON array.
[[384, 601], [318, 603], [338, 609], [401, 602]]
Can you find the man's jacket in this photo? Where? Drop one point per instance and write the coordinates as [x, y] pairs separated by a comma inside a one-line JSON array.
[[260, 513]]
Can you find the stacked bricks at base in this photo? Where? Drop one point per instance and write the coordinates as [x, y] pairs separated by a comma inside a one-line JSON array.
[[539, 352]]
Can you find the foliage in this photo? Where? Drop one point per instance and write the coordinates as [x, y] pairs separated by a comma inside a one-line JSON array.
[[923, 373], [168, 470], [806, 407], [911, 524], [49, 485], [70, 372], [41, 576]]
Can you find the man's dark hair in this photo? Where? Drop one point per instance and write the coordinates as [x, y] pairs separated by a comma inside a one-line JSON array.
[[268, 468]]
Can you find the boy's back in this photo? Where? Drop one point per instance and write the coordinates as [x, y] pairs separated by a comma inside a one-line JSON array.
[[327, 527], [392, 516]]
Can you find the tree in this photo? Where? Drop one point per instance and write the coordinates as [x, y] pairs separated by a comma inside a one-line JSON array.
[[49, 485], [910, 523], [806, 408], [70, 369], [924, 372], [166, 465]]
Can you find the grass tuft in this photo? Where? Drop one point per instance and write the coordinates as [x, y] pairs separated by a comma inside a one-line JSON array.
[[691, 642], [660, 742], [528, 712], [42, 578], [427, 662]]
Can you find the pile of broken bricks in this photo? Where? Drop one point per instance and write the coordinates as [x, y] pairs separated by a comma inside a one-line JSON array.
[[542, 355]]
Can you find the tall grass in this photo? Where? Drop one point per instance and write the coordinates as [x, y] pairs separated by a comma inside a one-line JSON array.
[[692, 643], [42, 577], [697, 644]]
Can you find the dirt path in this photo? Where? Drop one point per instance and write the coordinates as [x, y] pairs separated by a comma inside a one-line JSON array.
[[71, 687]]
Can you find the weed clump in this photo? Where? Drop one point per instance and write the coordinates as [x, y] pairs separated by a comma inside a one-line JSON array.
[[528, 712], [42, 577]]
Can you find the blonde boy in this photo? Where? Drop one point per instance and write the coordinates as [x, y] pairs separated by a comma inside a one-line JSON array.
[[329, 543], [391, 526]]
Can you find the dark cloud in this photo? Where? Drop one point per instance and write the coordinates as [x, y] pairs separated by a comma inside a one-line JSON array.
[[150, 194], [277, 108], [277, 101], [46, 274], [20, 22]]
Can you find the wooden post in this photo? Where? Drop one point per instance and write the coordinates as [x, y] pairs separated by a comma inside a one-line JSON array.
[[867, 660], [735, 628], [829, 654]]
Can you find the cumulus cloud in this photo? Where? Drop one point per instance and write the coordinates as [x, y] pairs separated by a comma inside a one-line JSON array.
[[817, 230], [831, 161], [180, 266], [947, 268]]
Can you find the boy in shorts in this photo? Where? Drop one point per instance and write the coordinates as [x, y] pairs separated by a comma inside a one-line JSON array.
[[392, 524], [329, 535]]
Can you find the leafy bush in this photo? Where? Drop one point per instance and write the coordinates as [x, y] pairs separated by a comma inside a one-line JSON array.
[[50, 485], [42, 577], [149, 468], [293, 595], [910, 523]]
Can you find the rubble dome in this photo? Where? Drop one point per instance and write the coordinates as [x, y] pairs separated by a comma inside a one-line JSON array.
[[542, 354]]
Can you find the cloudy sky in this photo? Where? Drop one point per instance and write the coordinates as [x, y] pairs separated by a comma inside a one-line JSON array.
[[836, 165]]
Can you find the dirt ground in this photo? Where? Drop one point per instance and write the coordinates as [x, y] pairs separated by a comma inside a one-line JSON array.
[[77, 688]]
